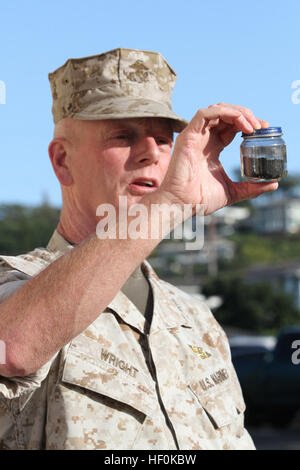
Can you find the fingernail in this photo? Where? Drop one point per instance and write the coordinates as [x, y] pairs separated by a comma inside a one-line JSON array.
[[257, 124]]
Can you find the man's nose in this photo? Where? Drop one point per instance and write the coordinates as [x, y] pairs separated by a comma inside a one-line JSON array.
[[146, 150]]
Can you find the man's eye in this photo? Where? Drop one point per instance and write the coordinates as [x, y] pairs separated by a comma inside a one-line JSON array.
[[163, 141], [122, 137]]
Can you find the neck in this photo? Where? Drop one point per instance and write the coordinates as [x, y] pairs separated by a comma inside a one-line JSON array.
[[75, 227]]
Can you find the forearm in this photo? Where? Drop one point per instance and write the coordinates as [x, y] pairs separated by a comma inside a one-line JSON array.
[[67, 296]]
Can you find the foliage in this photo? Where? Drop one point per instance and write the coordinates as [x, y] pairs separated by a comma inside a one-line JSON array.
[[252, 248], [257, 307], [290, 183], [24, 228]]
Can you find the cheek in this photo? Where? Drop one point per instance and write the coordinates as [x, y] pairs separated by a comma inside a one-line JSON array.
[[111, 174], [165, 163], [112, 165]]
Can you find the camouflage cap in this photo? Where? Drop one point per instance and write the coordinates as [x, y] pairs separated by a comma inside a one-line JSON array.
[[118, 84]]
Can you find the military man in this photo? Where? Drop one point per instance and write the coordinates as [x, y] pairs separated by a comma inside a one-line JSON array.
[[100, 353]]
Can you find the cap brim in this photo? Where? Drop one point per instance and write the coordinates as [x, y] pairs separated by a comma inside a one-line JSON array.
[[126, 108]]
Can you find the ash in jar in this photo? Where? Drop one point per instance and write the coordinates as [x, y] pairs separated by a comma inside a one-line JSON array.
[[263, 155], [265, 165]]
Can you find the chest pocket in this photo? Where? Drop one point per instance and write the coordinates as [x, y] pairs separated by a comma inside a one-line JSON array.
[[224, 412], [212, 381], [218, 395], [101, 400], [221, 409]]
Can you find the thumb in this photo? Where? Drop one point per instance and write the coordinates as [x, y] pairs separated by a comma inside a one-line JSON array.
[[246, 190]]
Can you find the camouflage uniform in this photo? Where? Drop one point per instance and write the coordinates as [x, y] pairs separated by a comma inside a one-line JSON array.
[[113, 387]]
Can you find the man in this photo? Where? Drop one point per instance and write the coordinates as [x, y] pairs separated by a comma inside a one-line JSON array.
[[101, 354]]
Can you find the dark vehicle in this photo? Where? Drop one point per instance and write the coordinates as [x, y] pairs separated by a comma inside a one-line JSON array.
[[270, 378], [241, 345]]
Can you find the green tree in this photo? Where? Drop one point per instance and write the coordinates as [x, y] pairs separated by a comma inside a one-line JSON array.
[[289, 183], [24, 228], [259, 308]]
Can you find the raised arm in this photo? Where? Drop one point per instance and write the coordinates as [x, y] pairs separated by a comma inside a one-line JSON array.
[[61, 301]]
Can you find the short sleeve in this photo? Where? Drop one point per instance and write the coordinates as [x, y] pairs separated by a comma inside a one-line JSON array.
[[16, 387], [10, 280]]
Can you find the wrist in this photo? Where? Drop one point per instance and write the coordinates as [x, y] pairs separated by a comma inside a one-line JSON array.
[[165, 213], [161, 196]]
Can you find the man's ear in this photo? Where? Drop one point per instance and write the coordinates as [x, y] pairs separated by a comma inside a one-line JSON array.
[[58, 151]]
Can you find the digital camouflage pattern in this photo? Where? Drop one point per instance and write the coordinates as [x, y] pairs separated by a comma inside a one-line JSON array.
[[113, 387], [122, 83]]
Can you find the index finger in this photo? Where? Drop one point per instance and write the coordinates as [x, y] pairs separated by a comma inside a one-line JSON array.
[[248, 113], [227, 114]]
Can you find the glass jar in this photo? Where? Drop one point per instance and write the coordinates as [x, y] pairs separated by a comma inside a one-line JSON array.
[[263, 155]]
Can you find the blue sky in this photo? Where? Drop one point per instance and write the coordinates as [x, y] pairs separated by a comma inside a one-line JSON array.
[[244, 53]]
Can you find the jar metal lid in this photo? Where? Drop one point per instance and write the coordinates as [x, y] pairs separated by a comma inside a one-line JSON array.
[[269, 131]]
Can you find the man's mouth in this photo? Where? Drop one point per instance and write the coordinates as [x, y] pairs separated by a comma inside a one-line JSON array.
[[142, 185], [148, 183]]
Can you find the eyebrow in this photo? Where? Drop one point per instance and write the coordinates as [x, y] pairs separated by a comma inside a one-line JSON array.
[[141, 122]]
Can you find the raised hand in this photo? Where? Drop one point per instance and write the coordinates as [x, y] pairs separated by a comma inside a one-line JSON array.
[[195, 174]]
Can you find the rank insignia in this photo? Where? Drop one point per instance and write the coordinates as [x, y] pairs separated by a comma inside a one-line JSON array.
[[200, 352]]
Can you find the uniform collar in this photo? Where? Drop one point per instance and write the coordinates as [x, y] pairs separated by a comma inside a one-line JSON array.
[[167, 312], [58, 243]]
